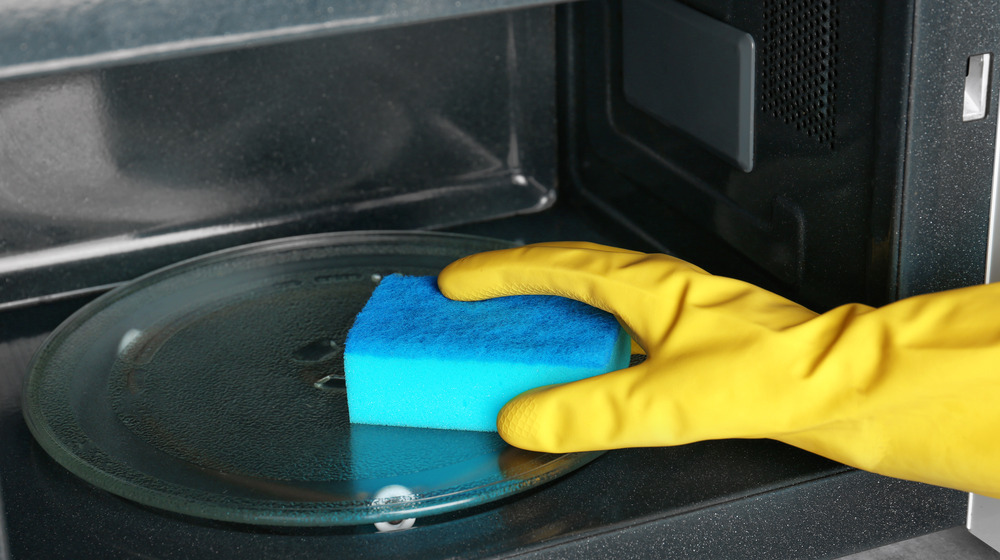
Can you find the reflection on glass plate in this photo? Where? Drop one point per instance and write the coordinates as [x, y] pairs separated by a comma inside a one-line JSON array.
[[215, 388]]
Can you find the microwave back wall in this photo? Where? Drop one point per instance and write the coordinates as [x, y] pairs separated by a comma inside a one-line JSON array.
[[833, 150]]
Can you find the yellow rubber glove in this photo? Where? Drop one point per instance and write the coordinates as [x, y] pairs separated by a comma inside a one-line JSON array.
[[909, 390]]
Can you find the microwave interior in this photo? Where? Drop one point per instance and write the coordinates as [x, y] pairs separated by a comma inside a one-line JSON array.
[[832, 151]]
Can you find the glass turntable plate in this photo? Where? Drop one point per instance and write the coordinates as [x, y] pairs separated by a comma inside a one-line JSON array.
[[214, 388]]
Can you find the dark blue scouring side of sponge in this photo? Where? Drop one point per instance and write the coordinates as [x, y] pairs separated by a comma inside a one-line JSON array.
[[416, 358]]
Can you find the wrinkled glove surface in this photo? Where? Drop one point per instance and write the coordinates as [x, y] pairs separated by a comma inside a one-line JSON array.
[[909, 390]]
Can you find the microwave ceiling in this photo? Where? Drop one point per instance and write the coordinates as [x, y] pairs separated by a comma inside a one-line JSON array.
[[47, 36]]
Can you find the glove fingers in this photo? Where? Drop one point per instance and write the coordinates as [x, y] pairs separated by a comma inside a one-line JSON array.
[[647, 293], [586, 245], [603, 277], [582, 245]]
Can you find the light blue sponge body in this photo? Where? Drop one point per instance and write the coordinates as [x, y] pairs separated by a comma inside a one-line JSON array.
[[416, 358]]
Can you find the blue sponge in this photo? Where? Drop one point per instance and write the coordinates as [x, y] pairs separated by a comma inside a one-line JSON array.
[[416, 358]]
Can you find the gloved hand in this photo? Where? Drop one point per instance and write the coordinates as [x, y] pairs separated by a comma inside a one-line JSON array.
[[909, 390]]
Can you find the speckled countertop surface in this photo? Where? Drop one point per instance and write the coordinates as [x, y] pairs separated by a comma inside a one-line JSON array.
[[950, 543]]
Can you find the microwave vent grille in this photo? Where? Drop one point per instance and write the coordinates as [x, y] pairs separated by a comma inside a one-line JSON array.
[[799, 65]]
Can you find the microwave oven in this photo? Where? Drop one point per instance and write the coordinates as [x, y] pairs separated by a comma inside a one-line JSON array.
[[829, 150]]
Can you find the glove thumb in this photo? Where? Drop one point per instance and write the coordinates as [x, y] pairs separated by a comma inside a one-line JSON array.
[[602, 412]]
